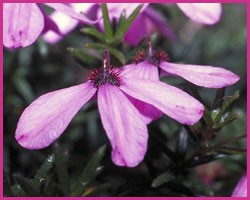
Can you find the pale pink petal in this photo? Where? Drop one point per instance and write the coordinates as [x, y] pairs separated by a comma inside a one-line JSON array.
[[116, 9], [70, 12], [205, 13], [205, 76], [124, 127], [22, 24], [241, 188], [170, 100], [65, 25], [82, 7], [143, 70], [45, 119]]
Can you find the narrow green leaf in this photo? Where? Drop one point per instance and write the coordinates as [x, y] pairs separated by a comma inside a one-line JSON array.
[[225, 120], [91, 170], [24, 88], [125, 26], [42, 173], [200, 188], [122, 21], [93, 32], [162, 179], [226, 106], [83, 56], [17, 190], [229, 150], [219, 97], [50, 185], [107, 23], [207, 117], [61, 163], [26, 185], [98, 46], [199, 160]]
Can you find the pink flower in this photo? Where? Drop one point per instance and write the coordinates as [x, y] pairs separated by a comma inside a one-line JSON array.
[[66, 24], [24, 22], [45, 119], [241, 188], [204, 13], [150, 20], [147, 66], [147, 21]]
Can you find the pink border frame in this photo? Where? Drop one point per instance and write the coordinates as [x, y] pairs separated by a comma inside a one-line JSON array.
[[112, 1]]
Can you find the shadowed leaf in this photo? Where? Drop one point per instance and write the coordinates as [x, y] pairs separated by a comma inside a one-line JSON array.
[[91, 170]]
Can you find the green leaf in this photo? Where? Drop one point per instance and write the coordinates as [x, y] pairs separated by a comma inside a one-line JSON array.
[[42, 173], [199, 160], [107, 24], [24, 88], [113, 51], [26, 185], [83, 56], [93, 32], [91, 170], [229, 150], [200, 188], [17, 190], [163, 178], [122, 29], [50, 185], [207, 117], [226, 106], [219, 97], [228, 118], [61, 163]]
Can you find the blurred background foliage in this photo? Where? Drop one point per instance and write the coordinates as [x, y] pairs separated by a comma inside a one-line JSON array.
[[78, 163]]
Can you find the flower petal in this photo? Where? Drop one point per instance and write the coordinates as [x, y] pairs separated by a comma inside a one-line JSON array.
[[124, 127], [64, 23], [205, 76], [159, 22], [137, 31], [241, 188], [47, 117], [70, 12], [22, 24], [143, 70], [172, 101], [205, 13]]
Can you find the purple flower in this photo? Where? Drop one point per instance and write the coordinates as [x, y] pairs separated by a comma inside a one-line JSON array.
[[67, 24], [150, 19], [241, 188], [24, 22], [147, 21], [204, 13], [45, 119], [147, 66]]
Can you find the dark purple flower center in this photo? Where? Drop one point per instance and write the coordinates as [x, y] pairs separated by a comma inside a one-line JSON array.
[[101, 76], [156, 58]]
